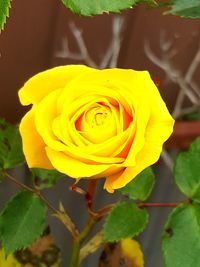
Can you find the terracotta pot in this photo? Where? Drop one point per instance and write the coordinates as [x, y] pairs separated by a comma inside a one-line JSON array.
[[184, 133]]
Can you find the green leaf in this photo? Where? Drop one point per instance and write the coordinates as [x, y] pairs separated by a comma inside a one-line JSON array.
[[149, 3], [45, 178], [195, 145], [11, 153], [187, 171], [185, 8], [193, 116], [21, 221], [89, 8], [125, 220], [4, 9], [181, 241], [140, 187]]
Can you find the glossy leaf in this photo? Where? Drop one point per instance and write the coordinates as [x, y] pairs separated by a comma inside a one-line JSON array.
[[4, 9], [21, 221], [192, 116], [181, 240], [44, 178], [185, 8], [11, 153], [187, 171], [125, 220], [141, 186], [89, 8]]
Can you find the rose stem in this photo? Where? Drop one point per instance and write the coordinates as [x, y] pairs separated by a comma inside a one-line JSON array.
[[74, 257], [76, 245], [42, 198], [158, 205], [89, 196], [105, 210], [32, 190], [93, 218]]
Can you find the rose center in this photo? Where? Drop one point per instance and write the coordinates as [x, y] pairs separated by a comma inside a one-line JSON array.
[[97, 124], [100, 118]]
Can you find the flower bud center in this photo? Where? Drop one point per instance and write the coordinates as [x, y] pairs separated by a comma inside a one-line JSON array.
[[99, 118]]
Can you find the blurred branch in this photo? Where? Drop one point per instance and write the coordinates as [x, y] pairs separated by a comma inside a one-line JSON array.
[[167, 159], [83, 53], [193, 66], [176, 77], [187, 87], [110, 57]]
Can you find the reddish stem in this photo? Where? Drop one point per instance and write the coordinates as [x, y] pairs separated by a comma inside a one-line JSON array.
[[158, 205], [90, 193], [105, 210], [89, 197]]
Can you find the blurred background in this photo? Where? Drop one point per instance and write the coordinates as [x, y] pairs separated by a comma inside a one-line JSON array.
[[41, 34]]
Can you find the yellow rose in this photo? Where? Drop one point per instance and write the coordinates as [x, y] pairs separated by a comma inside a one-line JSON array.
[[90, 123], [126, 252], [131, 249]]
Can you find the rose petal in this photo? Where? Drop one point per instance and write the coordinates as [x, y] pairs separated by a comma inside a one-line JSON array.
[[72, 167], [155, 136], [46, 111], [33, 145], [71, 93], [149, 154], [43, 83]]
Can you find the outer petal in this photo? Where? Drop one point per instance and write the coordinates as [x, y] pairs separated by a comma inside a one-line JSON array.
[[47, 81], [46, 112], [33, 145], [155, 136], [72, 167], [158, 130]]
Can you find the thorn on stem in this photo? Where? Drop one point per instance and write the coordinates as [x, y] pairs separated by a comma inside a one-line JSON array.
[[77, 189]]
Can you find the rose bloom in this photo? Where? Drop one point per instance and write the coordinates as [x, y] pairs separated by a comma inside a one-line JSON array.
[[89, 123]]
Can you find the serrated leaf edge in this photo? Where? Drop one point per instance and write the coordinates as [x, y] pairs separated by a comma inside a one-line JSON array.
[[128, 236], [192, 195], [6, 15], [177, 13], [20, 247], [149, 191], [78, 12]]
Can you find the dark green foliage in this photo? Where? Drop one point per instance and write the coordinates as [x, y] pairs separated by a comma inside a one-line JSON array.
[[141, 186], [44, 178], [125, 220], [11, 154], [21, 221], [181, 240], [4, 9]]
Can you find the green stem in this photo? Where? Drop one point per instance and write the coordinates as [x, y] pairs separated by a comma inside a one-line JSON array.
[[74, 258], [76, 246], [83, 234]]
